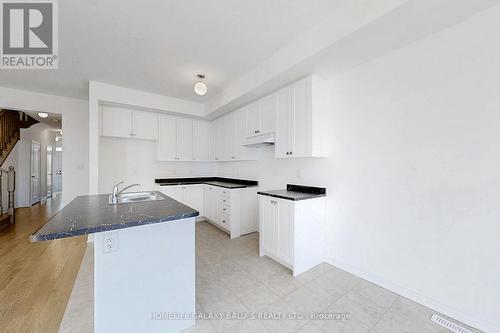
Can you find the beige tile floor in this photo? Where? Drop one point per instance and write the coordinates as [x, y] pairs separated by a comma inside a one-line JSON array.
[[232, 278]]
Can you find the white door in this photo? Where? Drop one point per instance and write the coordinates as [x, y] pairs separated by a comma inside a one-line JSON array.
[[184, 139], [57, 170], [253, 119], [269, 225], [145, 125], [167, 138], [49, 171], [301, 120], [283, 124], [117, 122], [35, 172], [201, 140], [268, 109], [285, 231]]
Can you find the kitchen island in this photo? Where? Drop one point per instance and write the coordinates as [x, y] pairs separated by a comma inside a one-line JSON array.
[[144, 260]]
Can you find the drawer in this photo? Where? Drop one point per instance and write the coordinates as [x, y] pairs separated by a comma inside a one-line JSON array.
[[225, 221], [225, 209], [225, 200]]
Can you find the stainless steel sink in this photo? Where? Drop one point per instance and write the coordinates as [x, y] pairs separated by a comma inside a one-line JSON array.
[[134, 197]]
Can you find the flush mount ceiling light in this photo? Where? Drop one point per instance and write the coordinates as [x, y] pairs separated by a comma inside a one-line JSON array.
[[200, 88], [43, 114]]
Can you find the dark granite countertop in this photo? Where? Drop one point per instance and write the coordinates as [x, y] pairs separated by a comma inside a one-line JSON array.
[[296, 192], [230, 183], [92, 213]]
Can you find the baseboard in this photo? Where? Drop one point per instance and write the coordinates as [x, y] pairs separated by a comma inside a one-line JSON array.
[[429, 302]]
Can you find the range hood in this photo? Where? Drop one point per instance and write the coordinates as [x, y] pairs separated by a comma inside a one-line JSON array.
[[259, 140]]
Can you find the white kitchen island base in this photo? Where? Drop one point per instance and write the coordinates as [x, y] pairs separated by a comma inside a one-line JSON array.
[[146, 277]]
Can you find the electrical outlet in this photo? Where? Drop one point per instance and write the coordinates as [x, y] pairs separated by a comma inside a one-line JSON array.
[[110, 242]]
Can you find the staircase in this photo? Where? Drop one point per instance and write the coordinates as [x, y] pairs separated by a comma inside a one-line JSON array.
[[11, 123]]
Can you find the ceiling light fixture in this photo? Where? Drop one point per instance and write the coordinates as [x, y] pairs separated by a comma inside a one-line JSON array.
[[200, 87], [43, 114]]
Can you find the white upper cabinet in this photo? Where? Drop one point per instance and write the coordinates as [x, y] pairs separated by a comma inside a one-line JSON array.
[[253, 119], [261, 116], [302, 120], [126, 123], [184, 139], [201, 140], [167, 138], [217, 141], [116, 122], [268, 107], [145, 125]]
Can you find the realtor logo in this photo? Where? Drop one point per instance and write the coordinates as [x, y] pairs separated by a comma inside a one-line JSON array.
[[29, 34]]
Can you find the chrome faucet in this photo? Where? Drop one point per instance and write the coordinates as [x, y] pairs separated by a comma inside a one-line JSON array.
[[115, 194]]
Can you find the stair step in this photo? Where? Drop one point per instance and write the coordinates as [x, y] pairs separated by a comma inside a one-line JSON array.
[[4, 220]]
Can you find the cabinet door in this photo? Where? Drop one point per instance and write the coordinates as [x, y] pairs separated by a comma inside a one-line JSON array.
[[167, 138], [230, 137], [193, 197], [173, 191], [268, 108], [116, 122], [283, 124], [201, 140], [301, 120], [208, 202], [216, 134], [184, 139], [269, 226], [253, 119], [285, 231], [145, 125]]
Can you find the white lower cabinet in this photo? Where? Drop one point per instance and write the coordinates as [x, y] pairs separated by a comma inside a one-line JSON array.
[[190, 195], [292, 232], [232, 210]]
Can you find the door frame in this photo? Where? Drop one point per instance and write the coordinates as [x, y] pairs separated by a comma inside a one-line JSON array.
[[39, 173]]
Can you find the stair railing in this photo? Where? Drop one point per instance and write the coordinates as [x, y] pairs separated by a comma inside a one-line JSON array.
[[11, 187]]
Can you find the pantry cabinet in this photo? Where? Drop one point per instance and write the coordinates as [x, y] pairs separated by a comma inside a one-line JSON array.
[[126, 123]]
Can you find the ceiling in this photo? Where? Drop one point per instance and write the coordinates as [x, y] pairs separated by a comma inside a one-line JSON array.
[[159, 46], [54, 120]]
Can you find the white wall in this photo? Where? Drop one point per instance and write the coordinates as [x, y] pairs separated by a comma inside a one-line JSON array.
[[75, 129], [134, 161], [414, 182]]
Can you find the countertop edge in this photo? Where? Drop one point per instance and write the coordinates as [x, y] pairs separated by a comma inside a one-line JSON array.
[[311, 196], [103, 228]]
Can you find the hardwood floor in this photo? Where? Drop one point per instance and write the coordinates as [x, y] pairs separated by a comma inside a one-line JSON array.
[[36, 278]]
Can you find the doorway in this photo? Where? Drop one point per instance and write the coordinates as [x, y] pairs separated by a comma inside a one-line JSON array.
[[57, 170], [49, 171], [35, 172]]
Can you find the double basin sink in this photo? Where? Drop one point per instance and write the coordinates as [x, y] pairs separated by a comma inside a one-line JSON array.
[[135, 197]]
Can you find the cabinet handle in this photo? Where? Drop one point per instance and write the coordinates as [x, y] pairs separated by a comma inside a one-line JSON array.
[[291, 153], [224, 209], [256, 131], [233, 157], [288, 153], [132, 134], [224, 200], [223, 221], [273, 202]]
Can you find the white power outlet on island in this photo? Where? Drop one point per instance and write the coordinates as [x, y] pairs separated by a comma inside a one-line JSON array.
[[110, 242]]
